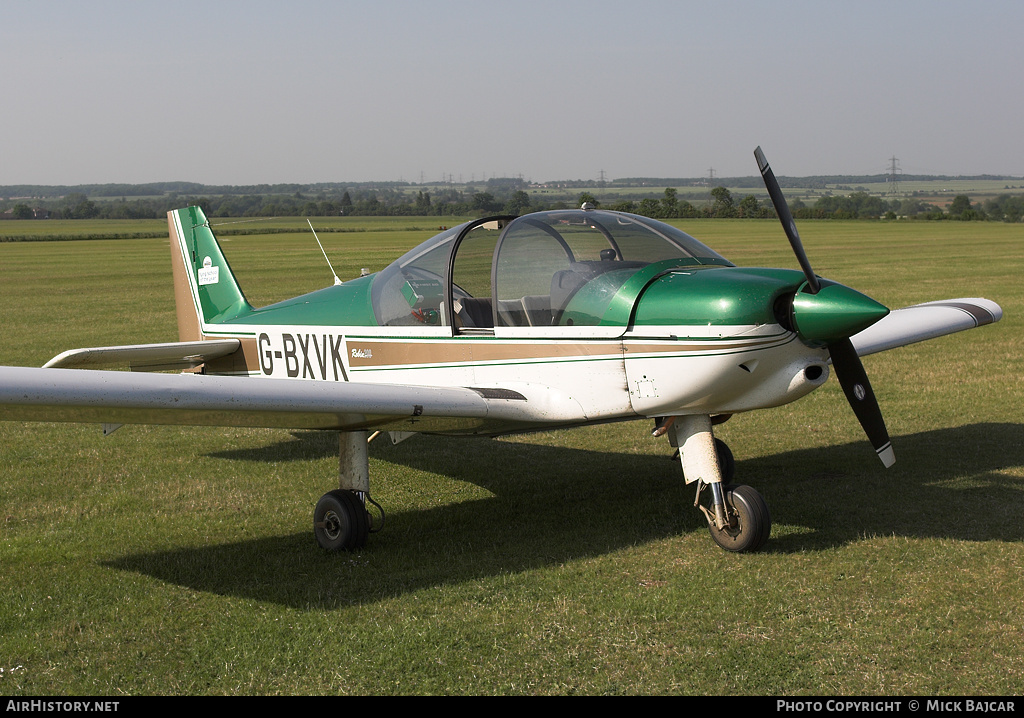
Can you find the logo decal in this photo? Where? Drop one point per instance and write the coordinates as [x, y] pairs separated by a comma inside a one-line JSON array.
[[208, 274]]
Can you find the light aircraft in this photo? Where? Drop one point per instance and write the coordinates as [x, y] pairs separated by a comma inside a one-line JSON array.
[[502, 324]]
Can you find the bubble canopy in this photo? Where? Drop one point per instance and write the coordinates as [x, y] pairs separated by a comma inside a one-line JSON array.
[[557, 268]]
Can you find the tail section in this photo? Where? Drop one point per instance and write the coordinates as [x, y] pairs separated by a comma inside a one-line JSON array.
[[205, 290]]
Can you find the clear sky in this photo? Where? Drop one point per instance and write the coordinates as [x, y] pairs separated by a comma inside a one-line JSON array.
[[308, 91]]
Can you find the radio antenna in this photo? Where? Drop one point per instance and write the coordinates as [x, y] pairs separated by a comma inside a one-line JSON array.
[[336, 280]]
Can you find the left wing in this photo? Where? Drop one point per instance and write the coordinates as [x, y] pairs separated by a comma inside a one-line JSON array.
[[925, 321], [117, 397]]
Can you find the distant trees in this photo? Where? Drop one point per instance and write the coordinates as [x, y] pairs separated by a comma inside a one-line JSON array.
[[960, 208], [670, 202], [960, 204], [485, 202], [497, 195], [721, 203], [1005, 208], [650, 207], [856, 205], [22, 211], [750, 208], [422, 204], [519, 204], [861, 205], [78, 206]]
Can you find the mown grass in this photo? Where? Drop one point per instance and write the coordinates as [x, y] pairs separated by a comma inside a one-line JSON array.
[[165, 560]]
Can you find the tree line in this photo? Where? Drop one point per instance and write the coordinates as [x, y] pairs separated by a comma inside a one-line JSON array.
[[669, 206], [858, 205], [508, 198]]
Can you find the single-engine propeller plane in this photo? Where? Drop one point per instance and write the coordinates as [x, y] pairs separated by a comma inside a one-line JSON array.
[[500, 325]]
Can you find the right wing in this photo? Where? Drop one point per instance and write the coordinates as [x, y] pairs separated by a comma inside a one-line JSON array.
[[146, 357], [925, 321]]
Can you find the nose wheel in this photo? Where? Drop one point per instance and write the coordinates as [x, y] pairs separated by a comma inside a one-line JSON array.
[[737, 515], [746, 524]]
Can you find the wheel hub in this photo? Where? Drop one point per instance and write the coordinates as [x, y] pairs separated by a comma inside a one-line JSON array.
[[332, 525]]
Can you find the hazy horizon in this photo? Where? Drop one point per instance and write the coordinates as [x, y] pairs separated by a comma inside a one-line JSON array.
[[656, 181]]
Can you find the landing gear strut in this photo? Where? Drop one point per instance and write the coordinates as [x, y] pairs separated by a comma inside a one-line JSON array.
[[737, 515]]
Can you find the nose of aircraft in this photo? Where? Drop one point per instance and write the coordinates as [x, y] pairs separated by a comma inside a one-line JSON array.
[[833, 313], [745, 295]]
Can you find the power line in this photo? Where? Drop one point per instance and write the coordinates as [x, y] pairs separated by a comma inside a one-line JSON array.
[[894, 177]]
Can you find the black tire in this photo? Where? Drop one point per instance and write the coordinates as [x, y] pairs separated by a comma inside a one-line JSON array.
[[751, 523], [340, 521], [726, 461]]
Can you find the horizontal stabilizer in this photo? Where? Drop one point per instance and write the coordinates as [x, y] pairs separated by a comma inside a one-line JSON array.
[[145, 357], [925, 321]]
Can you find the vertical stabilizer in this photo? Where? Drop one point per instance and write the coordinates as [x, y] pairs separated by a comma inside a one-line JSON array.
[[205, 290]]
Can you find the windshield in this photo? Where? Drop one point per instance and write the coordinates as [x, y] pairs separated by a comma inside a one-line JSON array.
[[547, 268], [545, 260], [410, 289]]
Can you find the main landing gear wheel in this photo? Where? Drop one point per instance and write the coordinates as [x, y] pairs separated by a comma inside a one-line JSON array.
[[340, 521], [749, 523]]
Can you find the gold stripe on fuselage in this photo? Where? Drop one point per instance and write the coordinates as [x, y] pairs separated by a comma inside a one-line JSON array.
[[380, 353]]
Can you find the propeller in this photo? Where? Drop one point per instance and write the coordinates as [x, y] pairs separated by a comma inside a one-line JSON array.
[[782, 210], [848, 367]]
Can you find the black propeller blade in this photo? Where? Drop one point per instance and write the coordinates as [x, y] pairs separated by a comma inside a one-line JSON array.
[[782, 209], [854, 380], [848, 367]]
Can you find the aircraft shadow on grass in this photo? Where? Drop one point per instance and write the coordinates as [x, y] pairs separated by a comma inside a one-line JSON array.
[[608, 501]]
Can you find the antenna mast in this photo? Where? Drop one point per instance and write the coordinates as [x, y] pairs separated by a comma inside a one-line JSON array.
[[336, 280]]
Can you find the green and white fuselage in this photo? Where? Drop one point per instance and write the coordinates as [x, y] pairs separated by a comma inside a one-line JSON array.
[[580, 315]]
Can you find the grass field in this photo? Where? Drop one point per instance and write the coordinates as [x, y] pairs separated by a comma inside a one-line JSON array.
[[165, 560]]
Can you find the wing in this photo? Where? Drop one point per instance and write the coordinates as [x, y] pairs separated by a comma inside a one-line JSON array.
[[146, 357], [925, 321], [117, 397]]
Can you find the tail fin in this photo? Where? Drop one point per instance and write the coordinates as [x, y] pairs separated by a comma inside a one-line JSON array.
[[205, 290]]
